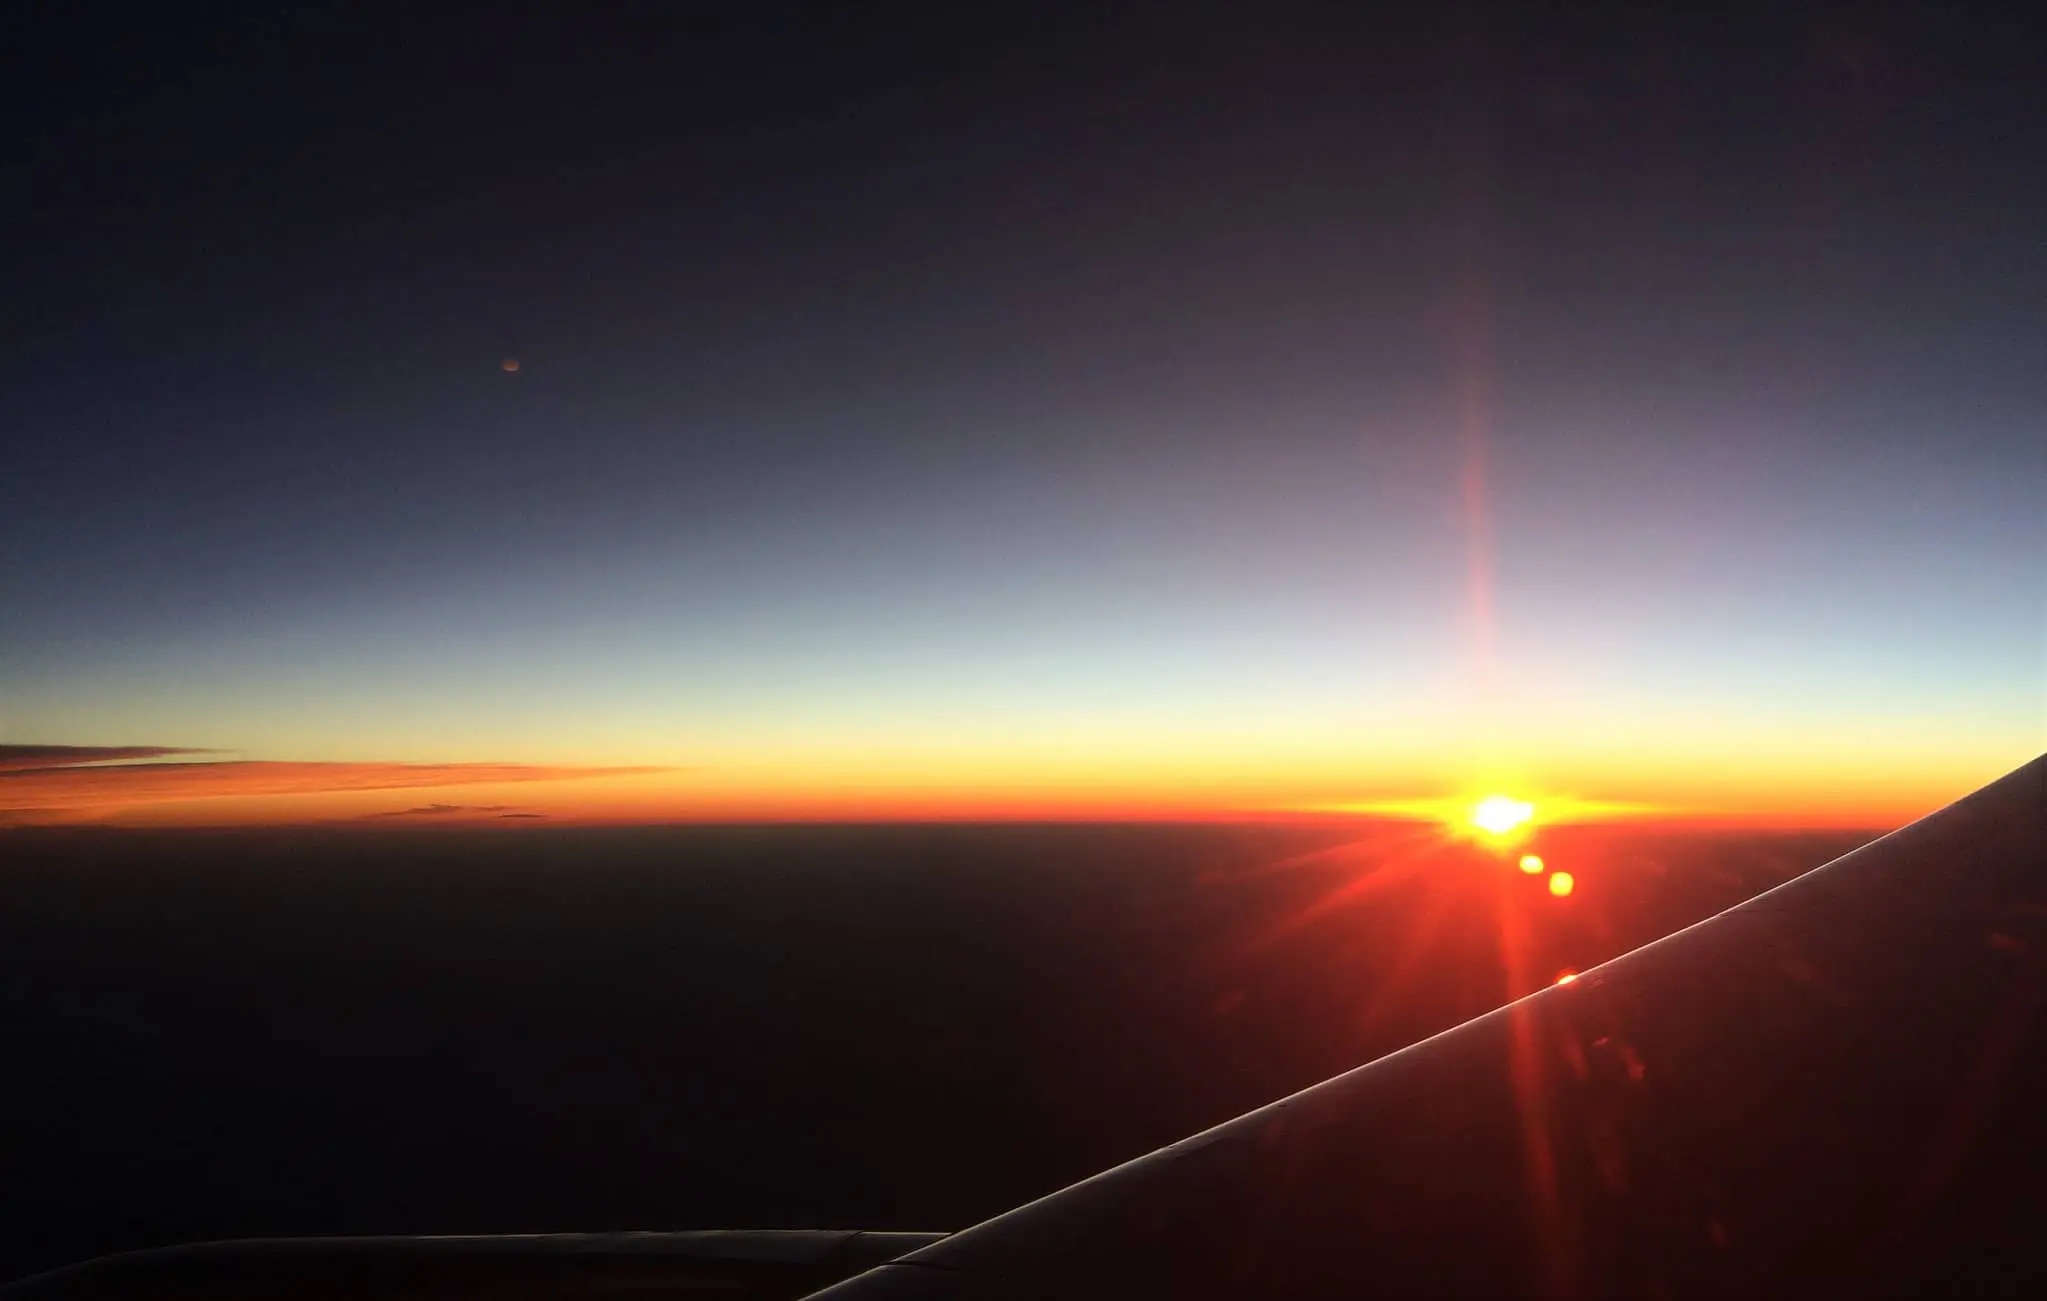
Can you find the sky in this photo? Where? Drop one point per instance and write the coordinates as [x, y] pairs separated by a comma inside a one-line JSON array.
[[1192, 412]]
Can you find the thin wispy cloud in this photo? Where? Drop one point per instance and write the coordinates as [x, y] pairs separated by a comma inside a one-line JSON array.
[[14, 758], [467, 815], [440, 810], [431, 812], [56, 778]]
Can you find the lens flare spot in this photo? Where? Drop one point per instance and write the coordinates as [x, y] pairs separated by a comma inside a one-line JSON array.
[[1562, 883], [1532, 864]]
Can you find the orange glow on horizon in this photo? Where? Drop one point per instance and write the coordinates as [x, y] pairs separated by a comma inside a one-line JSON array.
[[1457, 812], [905, 783]]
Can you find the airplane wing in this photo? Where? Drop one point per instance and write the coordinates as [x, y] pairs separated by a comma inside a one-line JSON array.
[[1838, 1087], [730, 1265]]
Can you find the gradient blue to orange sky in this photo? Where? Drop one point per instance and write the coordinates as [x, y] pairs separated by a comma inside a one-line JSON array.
[[1072, 430]]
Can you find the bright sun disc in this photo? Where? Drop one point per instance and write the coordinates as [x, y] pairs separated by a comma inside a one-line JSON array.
[[1498, 815]]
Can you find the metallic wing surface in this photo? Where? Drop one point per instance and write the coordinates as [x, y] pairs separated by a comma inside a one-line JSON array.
[[1838, 1087]]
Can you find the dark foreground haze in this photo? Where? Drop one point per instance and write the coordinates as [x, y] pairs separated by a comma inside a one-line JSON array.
[[214, 1034]]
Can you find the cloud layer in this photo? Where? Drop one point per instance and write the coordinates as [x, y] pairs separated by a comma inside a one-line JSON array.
[[439, 811], [462, 813], [14, 758], [44, 780]]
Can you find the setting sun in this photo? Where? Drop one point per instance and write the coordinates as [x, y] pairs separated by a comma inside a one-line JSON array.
[[1499, 815]]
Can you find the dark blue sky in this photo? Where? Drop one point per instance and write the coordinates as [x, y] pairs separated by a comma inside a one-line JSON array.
[[1109, 376]]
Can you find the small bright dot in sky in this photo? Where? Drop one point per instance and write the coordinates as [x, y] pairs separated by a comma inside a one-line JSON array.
[[511, 364], [1562, 883], [1531, 864], [1499, 815]]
